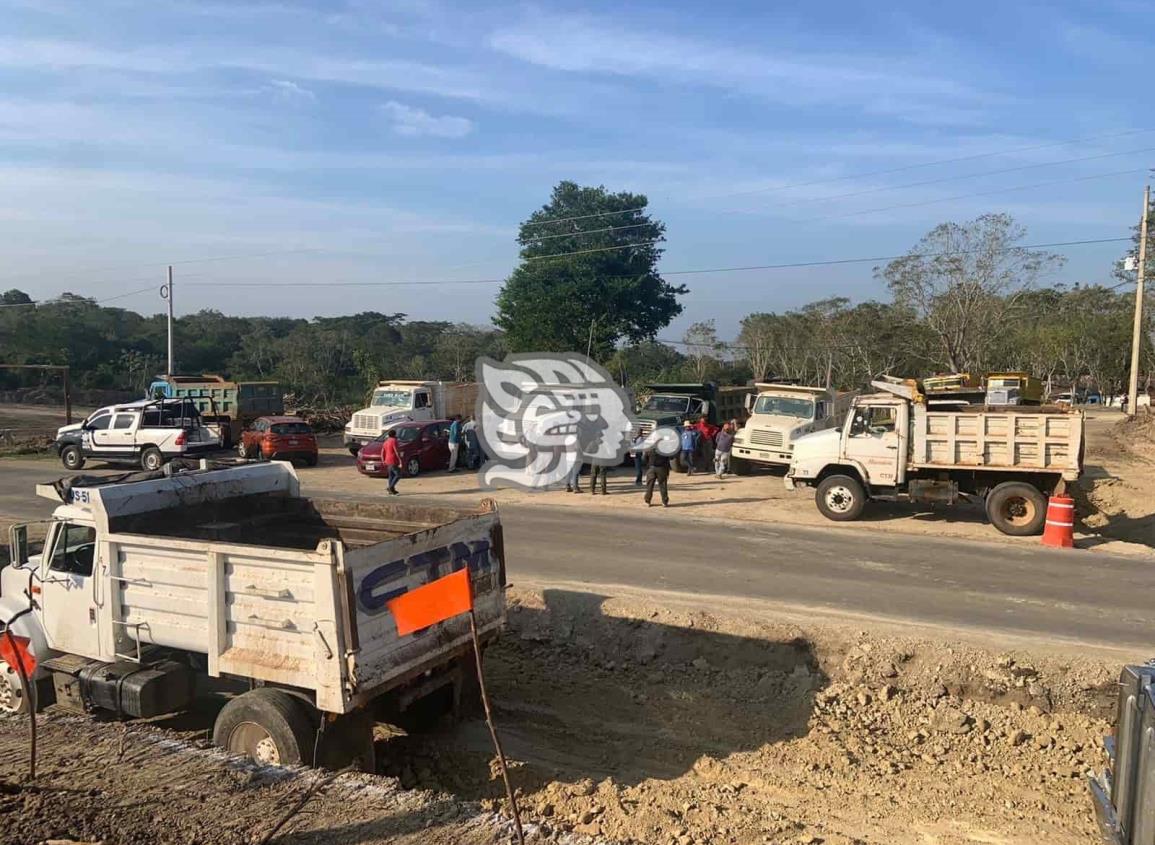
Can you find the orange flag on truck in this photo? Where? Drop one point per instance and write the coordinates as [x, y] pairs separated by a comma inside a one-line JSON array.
[[435, 602]]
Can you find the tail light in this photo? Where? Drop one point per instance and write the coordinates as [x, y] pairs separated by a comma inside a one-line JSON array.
[[181, 438]]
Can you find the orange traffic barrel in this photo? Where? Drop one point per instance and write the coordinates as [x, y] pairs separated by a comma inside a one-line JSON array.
[[1060, 528]]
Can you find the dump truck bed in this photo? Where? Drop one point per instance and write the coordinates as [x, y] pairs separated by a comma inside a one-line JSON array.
[[268, 585], [1047, 440]]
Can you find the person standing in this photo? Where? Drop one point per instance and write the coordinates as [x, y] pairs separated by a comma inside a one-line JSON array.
[[722, 446], [573, 481], [454, 441], [690, 438], [472, 446], [598, 471], [639, 459], [392, 460], [658, 472]]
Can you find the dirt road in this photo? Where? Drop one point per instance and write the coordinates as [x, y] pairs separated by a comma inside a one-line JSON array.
[[631, 721]]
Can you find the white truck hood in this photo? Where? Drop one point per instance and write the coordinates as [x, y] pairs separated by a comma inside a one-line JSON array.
[[819, 444], [64, 429]]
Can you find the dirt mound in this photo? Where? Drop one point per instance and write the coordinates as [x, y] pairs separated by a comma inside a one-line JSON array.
[[1116, 496], [640, 724]]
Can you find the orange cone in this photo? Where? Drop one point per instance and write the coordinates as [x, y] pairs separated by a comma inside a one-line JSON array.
[[1060, 528]]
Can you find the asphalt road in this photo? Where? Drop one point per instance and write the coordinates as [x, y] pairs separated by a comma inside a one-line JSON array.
[[1058, 596]]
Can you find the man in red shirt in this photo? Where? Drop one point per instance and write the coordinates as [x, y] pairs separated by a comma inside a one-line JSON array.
[[706, 429], [392, 460]]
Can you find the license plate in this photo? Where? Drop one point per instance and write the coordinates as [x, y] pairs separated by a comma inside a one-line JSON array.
[[292, 442], [370, 467]]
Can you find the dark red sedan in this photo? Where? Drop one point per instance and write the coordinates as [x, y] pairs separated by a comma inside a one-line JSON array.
[[279, 438], [422, 446]]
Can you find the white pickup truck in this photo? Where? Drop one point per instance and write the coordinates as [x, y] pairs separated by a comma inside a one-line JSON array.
[[144, 586], [893, 447], [779, 415], [146, 433], [395, 402]]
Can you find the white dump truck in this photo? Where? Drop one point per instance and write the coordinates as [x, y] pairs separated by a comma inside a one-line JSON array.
[[893, 447], [779, 415], [394, 402], [150, 584]]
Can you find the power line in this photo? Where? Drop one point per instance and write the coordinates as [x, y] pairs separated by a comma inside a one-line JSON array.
[[966, 176], [686, 272], [865, 175], [975, 194]]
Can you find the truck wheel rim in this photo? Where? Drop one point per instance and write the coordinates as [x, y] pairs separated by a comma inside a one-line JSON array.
[[413, 467], [11, 695], [1019, 510], [251, 739], [839, 499]]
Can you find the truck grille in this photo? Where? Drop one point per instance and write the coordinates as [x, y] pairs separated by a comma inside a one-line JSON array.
[[761, 437], [643, 429], [365, 422]]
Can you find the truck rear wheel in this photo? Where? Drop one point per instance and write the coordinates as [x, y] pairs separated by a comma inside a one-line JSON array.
[[267, 725], [1017, 508], [72, 457], [840, 498], [151, 459]]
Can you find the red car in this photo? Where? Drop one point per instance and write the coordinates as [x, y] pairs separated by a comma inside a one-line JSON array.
[[279, 438], [421, 446]]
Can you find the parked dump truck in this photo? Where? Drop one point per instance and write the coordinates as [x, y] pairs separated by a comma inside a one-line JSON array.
[[780, 414], [148, 582], [893, 447], [950, 390], [399, 401], [1124, 794], [673, 404], [234, 405]]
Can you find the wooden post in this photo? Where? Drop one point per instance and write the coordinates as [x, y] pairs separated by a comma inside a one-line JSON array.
[[67, 398], [493, 731], [1137, 332]]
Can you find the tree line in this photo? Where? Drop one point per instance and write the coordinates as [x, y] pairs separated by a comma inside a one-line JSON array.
[[968, 297]]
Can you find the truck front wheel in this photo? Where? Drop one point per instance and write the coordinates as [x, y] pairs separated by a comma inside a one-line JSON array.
[[739, 466], [840, 498], [1017, 508], [267, 725], [72, 458]]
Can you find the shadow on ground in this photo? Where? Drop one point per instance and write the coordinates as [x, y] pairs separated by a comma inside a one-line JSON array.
[[581, 696]]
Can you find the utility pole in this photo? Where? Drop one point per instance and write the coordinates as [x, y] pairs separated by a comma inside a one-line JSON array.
[[166, 293], [1137, 332]]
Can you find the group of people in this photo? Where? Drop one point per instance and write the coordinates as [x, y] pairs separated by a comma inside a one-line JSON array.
[[458, 432], [653, 468]]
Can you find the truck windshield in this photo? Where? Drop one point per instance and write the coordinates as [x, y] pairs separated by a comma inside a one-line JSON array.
[[785, 406], [1003, 382], [668, 404], [391, 398]]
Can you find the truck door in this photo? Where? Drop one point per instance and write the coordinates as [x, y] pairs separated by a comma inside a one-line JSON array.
[[874, 441], [68, 611], [422, 405], [119, 438]]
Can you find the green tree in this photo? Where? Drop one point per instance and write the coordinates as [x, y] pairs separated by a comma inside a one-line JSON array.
[[588, 276], [14, 297]]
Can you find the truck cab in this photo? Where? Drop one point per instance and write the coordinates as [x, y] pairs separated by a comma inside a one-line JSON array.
[[390, 404], [779, 415]]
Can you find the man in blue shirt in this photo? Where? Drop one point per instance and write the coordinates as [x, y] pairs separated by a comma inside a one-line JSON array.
[[454, 441], [690, 436]]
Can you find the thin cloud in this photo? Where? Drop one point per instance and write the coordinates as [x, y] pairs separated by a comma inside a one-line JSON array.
[[287, 91], [876, 84], [416, 122]]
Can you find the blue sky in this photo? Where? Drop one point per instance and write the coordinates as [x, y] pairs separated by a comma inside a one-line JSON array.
[[405, 140]]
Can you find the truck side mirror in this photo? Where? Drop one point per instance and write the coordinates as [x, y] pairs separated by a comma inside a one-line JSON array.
[[749, 402], [18, 545]]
